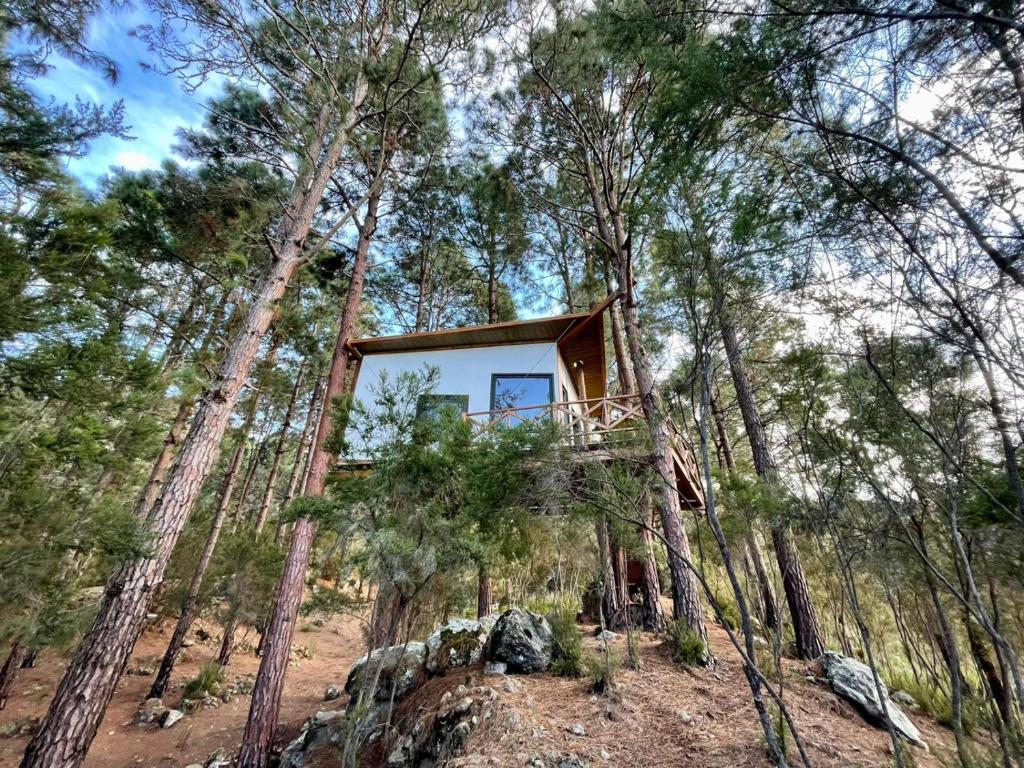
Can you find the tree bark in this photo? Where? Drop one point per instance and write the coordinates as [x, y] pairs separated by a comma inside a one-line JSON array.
[[609, 596], [10, 669], [302, 453], [266, 695], [88, 684], [484, 592], [279, 451], [810, 643], [769, 608], [227, 641], [188, 609]]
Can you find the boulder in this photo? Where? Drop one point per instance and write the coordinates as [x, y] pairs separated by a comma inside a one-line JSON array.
[[853, 681], [171, 718], [221, 758], [437, 736], [401, 668], [495, 668], [904, 699], [458, 643], [150, 711], [324, 728], [522, 640], [333, 692]]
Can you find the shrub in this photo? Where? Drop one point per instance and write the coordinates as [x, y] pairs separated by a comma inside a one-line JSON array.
[[600, 669], [730, 610], [206, 683], [687, 646], [567, 654]]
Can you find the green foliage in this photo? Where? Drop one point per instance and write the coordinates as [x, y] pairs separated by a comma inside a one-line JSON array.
[[567, 655], [728, 607], [600, 668], [206, 683], [686, 645]]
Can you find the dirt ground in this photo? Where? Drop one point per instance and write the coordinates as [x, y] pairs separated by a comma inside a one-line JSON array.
[[667, 716]]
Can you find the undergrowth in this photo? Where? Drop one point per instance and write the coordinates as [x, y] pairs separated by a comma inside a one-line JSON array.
[[567, 653], [206, 683], [687, 646]]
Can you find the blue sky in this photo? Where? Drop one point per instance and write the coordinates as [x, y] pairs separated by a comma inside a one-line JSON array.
[[156, 105]]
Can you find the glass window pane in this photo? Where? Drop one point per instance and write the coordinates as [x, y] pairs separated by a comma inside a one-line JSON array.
[[520, 391], [432, 406]]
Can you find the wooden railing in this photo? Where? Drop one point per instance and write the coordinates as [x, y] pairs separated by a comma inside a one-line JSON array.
[[588, 422], [591, 424]]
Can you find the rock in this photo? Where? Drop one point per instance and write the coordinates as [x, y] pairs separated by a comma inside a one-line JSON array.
[[151, 617], [219, 759], [571, 760], [194, 765], [511, 686], [605, 755], [607, 636], [458, 643], [150, 711], [188, 642], [853, 681], [495, 668], [685, 716], [140, 671], [577, 729], [171, 717], [522, 640], [904, 699], [333, 692], [438, 736], [24, 726], [402, 668], [760, 643]]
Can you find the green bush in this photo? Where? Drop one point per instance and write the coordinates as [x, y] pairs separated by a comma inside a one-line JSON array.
[[600, 669], [206, 683], [730, 610], [567, 654], [687, 646]]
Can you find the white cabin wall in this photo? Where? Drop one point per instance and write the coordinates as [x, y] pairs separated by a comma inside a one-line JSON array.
[[461, 372]]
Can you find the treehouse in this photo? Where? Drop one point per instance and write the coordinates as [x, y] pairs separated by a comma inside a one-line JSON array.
[[513, 373]]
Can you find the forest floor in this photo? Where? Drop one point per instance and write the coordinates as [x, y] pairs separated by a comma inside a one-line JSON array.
[[666, 717]]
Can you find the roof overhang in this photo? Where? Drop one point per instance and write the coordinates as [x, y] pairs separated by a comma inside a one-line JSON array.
[[542, 330]]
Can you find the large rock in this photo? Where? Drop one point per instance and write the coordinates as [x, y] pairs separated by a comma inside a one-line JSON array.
[[326, 728], [522, 640], [458, 643], [437, 736], [402, 668], [853, 681]]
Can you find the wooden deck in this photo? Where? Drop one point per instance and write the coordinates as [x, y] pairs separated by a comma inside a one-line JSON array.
[[601, 428]]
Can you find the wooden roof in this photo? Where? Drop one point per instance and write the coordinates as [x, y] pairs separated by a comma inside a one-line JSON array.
[[544, 329]]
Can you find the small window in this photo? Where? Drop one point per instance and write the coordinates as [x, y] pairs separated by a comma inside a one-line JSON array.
[[433, 406], [521, 392]]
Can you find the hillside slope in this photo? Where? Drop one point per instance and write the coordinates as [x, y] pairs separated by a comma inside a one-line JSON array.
[[666, 717]]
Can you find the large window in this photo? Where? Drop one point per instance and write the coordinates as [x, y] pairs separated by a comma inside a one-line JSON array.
[[521, 391], [433, 406]]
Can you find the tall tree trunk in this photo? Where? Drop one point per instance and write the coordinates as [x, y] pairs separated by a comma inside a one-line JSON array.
[[686, 602], [620, 572], [247, 480], [769, 608], [609, 595], [165, 458], [227, 641], [10, 669], [302, 454], [810, 642], [188, 609], [266, 695], [82, 697], [279, 451], [484, 592]]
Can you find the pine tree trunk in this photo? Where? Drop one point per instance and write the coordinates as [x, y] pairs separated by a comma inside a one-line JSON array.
[[650, 583], [609, 597], [810, 642], [769, 608], [188, 610], [10, 670], [266, 695], [484, 594], [227, 641], [75, 712], [247, 478], [686, 602], [302, 453], [620, 573], [279, 451]]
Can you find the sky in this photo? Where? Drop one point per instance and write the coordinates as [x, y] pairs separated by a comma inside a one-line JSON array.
[[156, 105]]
